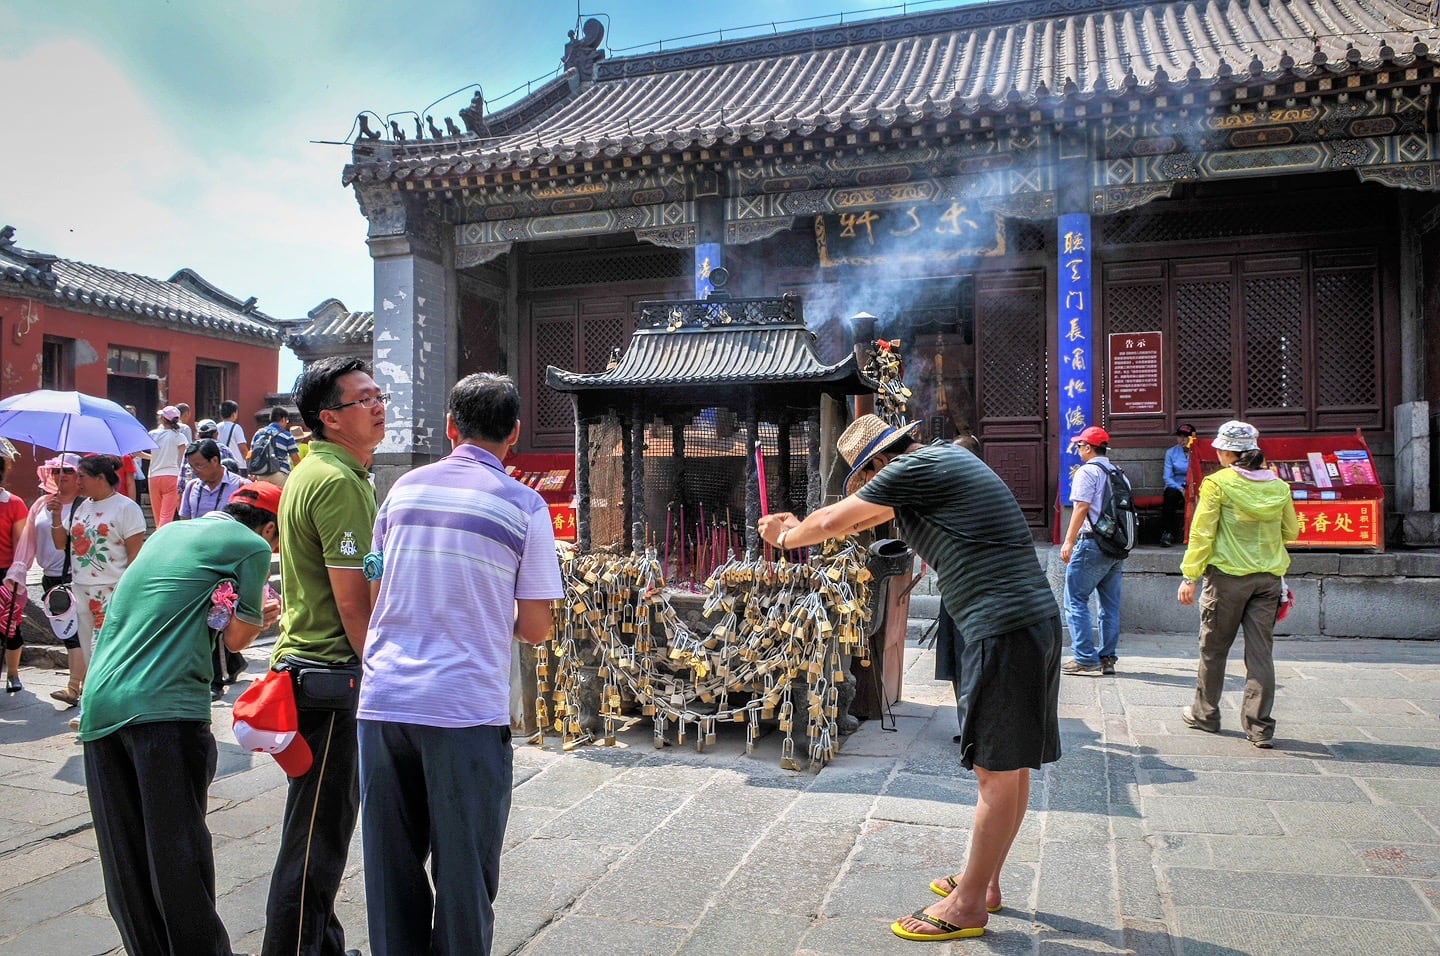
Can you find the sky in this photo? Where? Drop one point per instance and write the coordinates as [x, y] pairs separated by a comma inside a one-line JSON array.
[[149, 136]]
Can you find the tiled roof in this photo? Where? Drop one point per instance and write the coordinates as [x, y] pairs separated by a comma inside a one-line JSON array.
[[981, 58], [184, 301], [705, 347], [332, 324]]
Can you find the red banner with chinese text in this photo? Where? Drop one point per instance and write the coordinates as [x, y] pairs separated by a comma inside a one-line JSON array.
[[1340, 524], [562, 519]]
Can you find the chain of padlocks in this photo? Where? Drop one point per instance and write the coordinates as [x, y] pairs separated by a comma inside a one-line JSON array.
[[781, 625]]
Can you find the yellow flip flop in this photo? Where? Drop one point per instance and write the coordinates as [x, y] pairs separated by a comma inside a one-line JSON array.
[[940, 889], [947, 930]]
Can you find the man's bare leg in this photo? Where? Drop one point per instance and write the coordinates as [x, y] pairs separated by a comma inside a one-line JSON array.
[[1004, 796]]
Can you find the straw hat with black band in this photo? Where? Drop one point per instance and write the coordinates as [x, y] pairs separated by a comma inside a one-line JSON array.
[[868, 436]]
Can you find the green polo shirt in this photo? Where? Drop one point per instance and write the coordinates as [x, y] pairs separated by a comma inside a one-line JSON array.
[[152, 659], [327, 514]]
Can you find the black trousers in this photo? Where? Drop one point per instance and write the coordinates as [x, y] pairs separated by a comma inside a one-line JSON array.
[[1172, 514], [320, 813], [147, 786], [441, 794]]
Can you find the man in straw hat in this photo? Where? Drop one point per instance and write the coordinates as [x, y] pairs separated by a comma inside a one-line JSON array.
[[149, 753], [962, 519]]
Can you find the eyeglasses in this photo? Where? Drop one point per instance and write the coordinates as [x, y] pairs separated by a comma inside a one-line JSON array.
[[368, 402]]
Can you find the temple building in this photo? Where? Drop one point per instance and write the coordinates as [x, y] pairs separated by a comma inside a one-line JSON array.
[[1070, 212]]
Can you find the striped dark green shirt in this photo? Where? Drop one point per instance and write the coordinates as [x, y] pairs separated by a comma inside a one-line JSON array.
[[962, 519]]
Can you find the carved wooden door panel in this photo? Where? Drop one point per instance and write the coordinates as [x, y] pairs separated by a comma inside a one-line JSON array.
[[577, 335], [1010, 385]]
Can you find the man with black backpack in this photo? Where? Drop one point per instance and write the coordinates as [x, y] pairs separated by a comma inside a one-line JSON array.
[[273, 451], [1097, 541]]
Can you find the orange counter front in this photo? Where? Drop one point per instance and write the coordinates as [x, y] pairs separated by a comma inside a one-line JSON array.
[[1332, 478]]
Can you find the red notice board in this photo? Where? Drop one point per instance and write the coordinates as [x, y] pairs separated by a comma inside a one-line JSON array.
[[1332, 478], [554, 477]]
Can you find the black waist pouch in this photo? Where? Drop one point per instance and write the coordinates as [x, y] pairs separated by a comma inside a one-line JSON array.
[[320, 685]]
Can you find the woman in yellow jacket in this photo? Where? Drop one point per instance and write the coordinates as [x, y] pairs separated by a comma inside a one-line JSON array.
[[1243, 518]]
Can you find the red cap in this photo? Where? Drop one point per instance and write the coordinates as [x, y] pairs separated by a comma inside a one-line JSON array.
[[1094, 435], [266, 721], [259, 494]]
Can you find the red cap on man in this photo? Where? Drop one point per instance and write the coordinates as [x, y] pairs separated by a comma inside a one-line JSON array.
[[259, 494], [1093, 436], [267, 721]]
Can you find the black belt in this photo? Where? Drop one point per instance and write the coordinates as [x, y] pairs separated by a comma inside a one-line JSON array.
[[1085, 534]]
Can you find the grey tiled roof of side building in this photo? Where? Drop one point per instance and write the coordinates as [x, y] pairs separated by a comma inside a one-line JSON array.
[[185, 300], [892, 71], [331, 322]]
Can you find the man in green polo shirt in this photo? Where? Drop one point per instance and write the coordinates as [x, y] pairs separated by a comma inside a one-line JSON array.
[[326, 519], [149, 752]]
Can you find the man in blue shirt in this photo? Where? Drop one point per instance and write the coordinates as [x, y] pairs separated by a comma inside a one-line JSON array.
[[273, 450], [1177, 466]]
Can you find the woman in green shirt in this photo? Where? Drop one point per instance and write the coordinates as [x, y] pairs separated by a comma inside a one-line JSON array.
[[1243, 518]]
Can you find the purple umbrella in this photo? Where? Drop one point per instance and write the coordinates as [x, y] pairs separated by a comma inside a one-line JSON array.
[[72, 421]]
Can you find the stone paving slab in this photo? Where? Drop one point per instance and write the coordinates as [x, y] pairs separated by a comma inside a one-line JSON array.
[[1146, 838]]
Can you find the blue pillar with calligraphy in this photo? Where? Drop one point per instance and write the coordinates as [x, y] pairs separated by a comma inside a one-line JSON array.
[[1076, 392], [708, 257]]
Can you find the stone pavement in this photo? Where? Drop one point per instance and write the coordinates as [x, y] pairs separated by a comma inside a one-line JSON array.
[[1146, 838]]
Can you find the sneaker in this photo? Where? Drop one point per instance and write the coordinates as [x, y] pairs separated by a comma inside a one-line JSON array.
[[1075, 667], [1262, 743], [13, 685], [1166, 541], [75, 723], [1188, 715], [1107, 665], [237, 667]]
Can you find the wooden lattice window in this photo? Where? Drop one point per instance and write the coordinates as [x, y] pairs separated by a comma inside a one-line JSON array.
[[1013, 357], [554, 340], [1288, 340], [1204, 379], [1274, 341], [577, 335], [1346, 323]]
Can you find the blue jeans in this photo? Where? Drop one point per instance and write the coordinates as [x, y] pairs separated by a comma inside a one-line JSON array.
[[1091, 572]]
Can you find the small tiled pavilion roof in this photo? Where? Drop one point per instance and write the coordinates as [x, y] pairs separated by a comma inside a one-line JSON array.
[[983, 58], [707, 350], [185, 300]]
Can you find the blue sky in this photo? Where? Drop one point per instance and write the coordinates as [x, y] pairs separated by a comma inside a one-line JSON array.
[[148, 136]]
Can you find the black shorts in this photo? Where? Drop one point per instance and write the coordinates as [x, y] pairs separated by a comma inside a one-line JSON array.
[[1009, 697]]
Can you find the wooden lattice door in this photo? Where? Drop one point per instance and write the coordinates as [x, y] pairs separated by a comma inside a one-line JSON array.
[[1010, 384]]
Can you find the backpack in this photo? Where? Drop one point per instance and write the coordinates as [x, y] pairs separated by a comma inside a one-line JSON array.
[[1116, 528], [264, 456]]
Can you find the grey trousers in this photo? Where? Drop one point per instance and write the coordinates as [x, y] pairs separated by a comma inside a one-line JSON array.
[[1228, 602]]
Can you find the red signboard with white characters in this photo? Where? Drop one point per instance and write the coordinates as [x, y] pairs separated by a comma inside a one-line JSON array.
[[1332, 478], [553, 476]]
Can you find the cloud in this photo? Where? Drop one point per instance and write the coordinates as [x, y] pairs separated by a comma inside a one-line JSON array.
[[106, 178]]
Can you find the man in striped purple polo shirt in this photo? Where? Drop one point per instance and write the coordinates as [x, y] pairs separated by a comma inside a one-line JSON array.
[[465, 564]]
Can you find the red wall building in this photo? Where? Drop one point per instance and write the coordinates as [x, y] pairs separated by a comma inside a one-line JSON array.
[[133, 339]]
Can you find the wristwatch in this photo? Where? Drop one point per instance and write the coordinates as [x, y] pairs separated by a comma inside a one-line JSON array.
[[1191, 580]]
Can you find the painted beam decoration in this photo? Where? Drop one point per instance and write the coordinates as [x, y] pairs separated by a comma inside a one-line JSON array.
[[1075, 397]]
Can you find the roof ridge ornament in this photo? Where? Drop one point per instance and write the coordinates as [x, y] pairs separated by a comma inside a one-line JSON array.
[[473, 116], [582, 53]]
